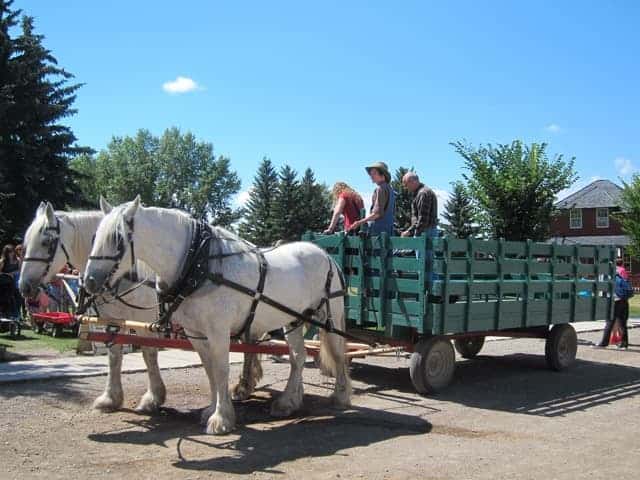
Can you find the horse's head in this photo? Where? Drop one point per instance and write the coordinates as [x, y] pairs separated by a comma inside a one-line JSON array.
[[111, 255], [45, 248]]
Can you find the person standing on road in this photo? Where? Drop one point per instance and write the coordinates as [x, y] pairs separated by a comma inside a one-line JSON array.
[[383, 201], [424, 207], [623, 292], [348, 203]]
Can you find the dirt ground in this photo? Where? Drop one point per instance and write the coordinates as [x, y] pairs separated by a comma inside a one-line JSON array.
[[505, 416]]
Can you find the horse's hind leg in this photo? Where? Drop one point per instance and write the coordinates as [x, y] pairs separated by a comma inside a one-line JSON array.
[[113, 396], [291, 399], [156, 392], [251, 375]]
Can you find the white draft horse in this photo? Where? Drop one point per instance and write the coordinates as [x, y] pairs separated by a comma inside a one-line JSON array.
[[296, 277], [55, 238]]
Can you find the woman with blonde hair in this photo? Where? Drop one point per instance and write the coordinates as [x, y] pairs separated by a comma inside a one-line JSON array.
[[348, 203]]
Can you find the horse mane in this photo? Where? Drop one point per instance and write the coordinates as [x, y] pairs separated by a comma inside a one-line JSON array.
[[85, 224]]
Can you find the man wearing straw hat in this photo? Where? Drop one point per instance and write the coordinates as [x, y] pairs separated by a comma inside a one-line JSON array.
[[380, 218]]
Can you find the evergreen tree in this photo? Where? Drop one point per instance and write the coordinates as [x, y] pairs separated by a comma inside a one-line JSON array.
[[35, 149], [257, 224], [287, 207], [315, 213], [460, 213], [403, 199]]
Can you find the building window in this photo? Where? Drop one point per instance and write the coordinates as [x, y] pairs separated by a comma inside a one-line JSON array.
[[626, 261], [602, 218], [575, 218]]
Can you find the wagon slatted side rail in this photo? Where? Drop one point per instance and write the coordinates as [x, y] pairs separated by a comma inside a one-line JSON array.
[[386, 281], [499, 285]]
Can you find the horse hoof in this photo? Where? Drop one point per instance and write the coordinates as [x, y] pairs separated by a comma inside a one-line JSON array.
[[218, 425], [206, 414], [106, 403], [340, 401], [240, 392], [149, 403], [284, 408]]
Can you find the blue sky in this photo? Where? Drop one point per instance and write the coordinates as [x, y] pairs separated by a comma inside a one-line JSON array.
[[336, 85]]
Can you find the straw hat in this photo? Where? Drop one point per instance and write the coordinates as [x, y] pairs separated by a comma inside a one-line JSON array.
[[382, 168]]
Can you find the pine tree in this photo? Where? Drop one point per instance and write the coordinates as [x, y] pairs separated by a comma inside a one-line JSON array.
[[287, 206], [35, 149], [316, 203], [257, 224], [460, 213], [403, 199]]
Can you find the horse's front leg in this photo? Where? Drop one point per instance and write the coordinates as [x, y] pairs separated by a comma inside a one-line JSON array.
[[202, 347], [223, 419], [251, 375], [291, 399], [156, 392], [113, 396]]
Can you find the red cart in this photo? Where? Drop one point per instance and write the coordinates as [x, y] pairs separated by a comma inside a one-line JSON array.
[[55, 323]]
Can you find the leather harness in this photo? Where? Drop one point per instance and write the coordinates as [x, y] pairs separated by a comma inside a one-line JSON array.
[[196, 271]]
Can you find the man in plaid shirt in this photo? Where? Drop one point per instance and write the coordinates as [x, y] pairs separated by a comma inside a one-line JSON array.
[[424, 207]]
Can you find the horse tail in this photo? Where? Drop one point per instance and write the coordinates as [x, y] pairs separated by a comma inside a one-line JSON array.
[[333, 347]]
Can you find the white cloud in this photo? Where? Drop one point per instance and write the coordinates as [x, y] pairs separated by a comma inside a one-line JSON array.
[[242, 198], [553, 128], [181, 85], [624, 166]]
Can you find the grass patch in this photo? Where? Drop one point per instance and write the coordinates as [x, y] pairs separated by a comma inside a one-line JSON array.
[[634, 306], [30, 341]]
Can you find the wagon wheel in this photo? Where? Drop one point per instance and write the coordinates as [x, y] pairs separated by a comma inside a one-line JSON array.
[[432, 364], [469, 347], [561, 347]]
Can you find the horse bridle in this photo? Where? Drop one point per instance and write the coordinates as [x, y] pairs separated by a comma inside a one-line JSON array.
[[53, 249], [117, 258]]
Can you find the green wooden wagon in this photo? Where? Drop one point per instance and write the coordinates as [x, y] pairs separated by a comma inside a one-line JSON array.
[[421, 293]]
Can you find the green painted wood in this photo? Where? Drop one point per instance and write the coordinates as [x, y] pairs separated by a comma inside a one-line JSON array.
[[497, 284]]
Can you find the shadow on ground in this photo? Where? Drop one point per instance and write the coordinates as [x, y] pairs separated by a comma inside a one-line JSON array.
[[261, 443], [518, 383]]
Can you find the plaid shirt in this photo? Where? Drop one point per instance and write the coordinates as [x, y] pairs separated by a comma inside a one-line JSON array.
[[424, 210]]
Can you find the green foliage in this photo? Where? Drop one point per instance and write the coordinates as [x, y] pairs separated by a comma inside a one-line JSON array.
[[403, 199], [316, 203], [287, 206], [257, 221], [629, 216], [282, 208], [35, 148], [173, 171], [515, 187], [460, 213]]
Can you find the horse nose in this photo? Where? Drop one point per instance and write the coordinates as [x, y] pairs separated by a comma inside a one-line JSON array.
[[90, 284]]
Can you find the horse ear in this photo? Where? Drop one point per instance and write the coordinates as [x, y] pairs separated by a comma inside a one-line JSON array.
[[105, 206], [51, 216], [41, 208], [131, 210]]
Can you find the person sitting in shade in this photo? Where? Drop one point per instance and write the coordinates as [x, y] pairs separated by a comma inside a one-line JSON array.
[[380, 218], [348, 203], [424, 207]]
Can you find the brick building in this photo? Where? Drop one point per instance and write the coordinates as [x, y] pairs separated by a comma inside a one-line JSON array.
[[586, 217]]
